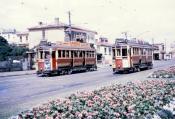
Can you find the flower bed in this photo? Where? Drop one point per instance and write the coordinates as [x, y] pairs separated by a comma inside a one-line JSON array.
[[167, 73], [135, 100]]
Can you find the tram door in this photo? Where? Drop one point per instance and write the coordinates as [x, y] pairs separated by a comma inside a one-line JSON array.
[[53, 60]]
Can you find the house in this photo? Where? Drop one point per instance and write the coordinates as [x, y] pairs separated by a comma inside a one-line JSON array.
[[9, 35], [14, 37], [59, 31], [23, 39], [104, 51], [159, 52]]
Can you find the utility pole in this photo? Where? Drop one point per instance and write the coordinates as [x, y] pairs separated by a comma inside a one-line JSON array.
[[165, 46], [153, 48], [70, 27]]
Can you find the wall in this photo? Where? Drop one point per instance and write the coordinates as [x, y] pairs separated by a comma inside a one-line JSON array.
[[34, 38], [51, 35], [55, 35], [106, 57], [11, 38]]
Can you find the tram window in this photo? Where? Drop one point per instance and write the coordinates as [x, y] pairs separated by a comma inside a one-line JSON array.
[[118, 52], [53, 54], [92, 54], [144, 51], [47, 55], [63, 53], [83, 53], [141, 51], [124, 52], [80, 54], [133, 51], [75, 53], [67, 53], [86, 53], [113, 52], [41, 54], [59, 53]]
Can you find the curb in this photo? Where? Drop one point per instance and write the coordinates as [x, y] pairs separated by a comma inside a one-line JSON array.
[[16, 75]]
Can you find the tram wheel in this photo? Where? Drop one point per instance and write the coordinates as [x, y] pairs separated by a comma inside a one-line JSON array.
[[69, 71], [138, 69]]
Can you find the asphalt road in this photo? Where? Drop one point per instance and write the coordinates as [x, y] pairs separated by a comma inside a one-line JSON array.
[[18, 93]]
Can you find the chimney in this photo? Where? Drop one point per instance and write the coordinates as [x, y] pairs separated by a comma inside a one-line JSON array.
[[57, 20], [40, 23]]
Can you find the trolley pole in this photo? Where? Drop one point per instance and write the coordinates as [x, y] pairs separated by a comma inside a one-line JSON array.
[[126, 36]]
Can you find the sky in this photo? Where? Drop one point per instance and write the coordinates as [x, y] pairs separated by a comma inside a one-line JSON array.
[[143, 19]]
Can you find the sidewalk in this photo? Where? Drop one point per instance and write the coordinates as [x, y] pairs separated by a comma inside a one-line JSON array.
[[103, 65], [17, 73], [29, 72]]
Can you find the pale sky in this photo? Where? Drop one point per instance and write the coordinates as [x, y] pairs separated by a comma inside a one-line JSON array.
[[145, 19]]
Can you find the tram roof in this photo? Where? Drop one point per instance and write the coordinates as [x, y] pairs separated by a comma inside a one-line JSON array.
[[139, 44], [67, 46]]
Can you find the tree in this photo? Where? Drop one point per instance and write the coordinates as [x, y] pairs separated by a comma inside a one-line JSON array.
[[4, 49], [12, 50]]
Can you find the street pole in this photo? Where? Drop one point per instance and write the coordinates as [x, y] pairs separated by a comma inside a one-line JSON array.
[[165, 46], [153, 48], [70, 27]]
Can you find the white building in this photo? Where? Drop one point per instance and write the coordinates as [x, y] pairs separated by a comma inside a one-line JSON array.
[[9, 35], [14, 37], [23, 39], [159, 51], [58, 31], [104, 51]]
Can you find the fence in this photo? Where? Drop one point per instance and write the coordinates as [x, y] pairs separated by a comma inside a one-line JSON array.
[[13, 64]]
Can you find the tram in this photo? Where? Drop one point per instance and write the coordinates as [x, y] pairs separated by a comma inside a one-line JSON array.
[[65, 57], [132, 55]]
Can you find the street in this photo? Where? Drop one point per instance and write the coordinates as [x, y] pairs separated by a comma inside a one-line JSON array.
[[18, 93]]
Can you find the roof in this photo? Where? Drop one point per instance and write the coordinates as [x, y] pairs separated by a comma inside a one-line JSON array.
[[158, 44], [134, 43], [60, 25], [67, 45], [22, 33], [104, 44]]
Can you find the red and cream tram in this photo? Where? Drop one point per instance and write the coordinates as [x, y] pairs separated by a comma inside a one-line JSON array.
[[131, 55], [63, 58]]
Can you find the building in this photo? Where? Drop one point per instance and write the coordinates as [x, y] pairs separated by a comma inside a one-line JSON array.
[[159, 51], [14, 37], [23, 39], [58, 31], [9, 35], [104, 51]]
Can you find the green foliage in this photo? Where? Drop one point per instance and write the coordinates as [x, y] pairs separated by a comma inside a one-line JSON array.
[[4, 49], [7, 50]]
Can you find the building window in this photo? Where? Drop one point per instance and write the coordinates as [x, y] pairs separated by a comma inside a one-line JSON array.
[[109, 51], [26, 38], [98, 48], [105, 51], [20, 38]]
